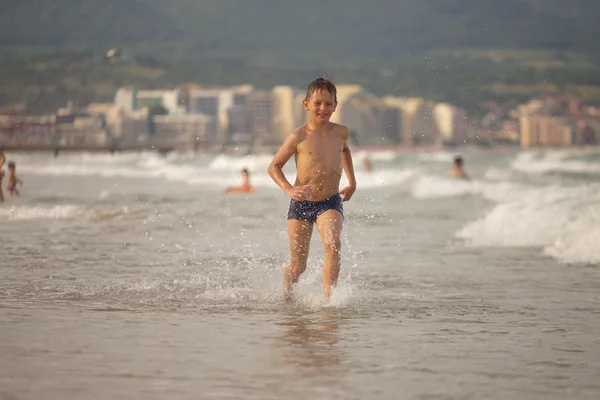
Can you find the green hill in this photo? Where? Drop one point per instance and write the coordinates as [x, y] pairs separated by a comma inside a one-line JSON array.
[[311, 28], [463, 51]]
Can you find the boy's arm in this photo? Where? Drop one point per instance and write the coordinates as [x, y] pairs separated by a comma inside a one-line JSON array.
[[285, 152], [348, 166]]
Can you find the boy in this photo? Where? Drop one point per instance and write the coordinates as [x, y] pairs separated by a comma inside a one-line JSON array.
[[11, 185], [321, 152], [457, 170]]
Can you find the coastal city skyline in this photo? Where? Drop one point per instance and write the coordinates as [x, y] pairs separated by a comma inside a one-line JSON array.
[[196, 117]]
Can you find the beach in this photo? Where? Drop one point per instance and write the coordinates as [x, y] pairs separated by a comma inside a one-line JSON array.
[[136, 276]]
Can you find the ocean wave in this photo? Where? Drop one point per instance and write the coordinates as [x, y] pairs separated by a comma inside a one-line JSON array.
[[435, 186], [557, 161], [212, 172], [565, 222], [59, 212]]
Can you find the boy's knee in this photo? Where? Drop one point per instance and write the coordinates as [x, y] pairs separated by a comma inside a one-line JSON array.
[[332, 245], [297, 267]]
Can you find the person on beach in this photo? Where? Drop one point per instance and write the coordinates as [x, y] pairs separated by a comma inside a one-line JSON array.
[[321, 152], [13, 180]]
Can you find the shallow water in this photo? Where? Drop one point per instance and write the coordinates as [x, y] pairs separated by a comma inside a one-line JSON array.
[[134, 276]]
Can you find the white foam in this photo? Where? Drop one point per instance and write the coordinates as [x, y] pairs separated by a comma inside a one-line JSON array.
[[58, 212], [212, 172], [563, 221], [258, 284], [436, 186], [40, 212], [382, 178], [497, 174], [375, 155], [443, 157], [542, 162], [579, 242], [254, 163]]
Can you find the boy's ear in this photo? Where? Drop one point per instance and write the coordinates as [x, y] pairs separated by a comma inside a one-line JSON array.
[[335, 105], [305, 104]]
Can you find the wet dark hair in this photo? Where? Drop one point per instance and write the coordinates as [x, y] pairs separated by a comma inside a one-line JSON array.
[[323, 83], [11, 164], [458, 160], [245, 171]]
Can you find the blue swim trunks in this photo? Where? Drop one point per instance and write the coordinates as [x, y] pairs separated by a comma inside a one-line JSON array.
[[310, 210]]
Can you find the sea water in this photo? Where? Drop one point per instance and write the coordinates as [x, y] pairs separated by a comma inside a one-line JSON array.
[[135, 276]]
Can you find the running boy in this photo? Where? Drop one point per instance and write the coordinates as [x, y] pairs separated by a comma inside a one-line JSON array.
[[321, 152]]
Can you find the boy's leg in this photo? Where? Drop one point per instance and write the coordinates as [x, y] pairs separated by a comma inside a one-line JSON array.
[[299, 234], [330, 225]]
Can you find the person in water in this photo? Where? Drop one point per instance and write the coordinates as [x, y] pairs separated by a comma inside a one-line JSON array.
[[457, 170], [245, 187], [321, 152], [2, 160], [367, 165], [11, 185]]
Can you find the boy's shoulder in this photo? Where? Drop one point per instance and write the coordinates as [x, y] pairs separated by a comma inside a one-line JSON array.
[[298, 134], [340, 129]]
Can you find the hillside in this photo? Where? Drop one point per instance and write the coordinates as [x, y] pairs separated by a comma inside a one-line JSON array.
[[462, 51], [351, 29]]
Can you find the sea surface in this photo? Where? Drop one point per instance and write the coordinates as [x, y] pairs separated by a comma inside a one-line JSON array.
[[134, 276]]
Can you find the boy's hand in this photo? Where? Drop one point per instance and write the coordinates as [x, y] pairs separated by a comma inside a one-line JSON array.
[[347, 192], [300, 193]]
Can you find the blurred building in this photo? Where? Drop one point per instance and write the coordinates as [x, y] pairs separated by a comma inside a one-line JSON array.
[[184, 131], [77, 129], [364, 114], [542, 130], [418, 124], [557, 121], [288, 112], [15, 128], [391, 117], [258, 107], [130, 99], [215, 104], [451, 123]]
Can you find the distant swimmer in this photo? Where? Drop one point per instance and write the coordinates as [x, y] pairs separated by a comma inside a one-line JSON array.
[[245, 187], [367, 166], [2, 160], [13, 180], [457, 170], [321, 152]]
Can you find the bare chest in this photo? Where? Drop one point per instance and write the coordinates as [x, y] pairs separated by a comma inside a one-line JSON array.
[[322, 148]]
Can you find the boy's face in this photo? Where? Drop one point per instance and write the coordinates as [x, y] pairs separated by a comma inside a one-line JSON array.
[[320, 105]]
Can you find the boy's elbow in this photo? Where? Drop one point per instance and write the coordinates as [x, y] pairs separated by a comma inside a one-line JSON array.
[[271, 169]]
